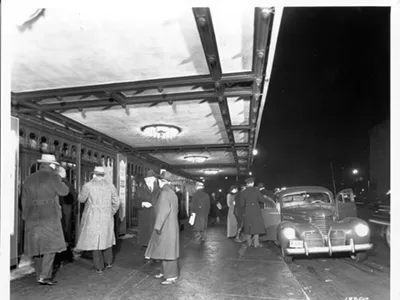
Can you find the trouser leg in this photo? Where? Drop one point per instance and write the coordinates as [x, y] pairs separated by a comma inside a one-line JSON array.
[[170, 269], [108, 256], [47, 266], [98, 259], [248, 239], [256, 240], [38, 265]]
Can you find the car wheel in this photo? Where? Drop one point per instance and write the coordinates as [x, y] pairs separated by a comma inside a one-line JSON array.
[[387, 235], [359, 256], [286, 258]]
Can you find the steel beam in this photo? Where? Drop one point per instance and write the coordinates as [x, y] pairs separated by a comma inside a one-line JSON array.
[[203, 166], [207, 35], [240, 127], [263, 18], [198, 80], [192, 148], [209, 95]]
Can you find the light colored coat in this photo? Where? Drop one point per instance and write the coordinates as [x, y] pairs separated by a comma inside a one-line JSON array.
[[166, 245], [97, 224], [42, 213], [231, 220]]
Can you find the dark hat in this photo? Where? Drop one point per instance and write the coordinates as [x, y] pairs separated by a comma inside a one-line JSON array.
[[150, 173], [249, 180], [233, 187], [260, 185], [166, 176]]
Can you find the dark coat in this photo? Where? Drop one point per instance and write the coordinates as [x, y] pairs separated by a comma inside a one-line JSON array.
[[252, 216], [182, 211], [166, 245], [238, 210], [42, 213], [147, 216], [201, 207]]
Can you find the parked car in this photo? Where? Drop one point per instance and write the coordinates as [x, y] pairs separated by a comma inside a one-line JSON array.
[[381, 217], [307, 220]]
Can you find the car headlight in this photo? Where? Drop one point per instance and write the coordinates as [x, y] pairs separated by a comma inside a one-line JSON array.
[[289, 233], [361, 230]]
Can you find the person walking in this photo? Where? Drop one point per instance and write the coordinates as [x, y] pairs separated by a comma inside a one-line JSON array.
[[41, 212], [164, 241], [238, 211], [231, 224], [145, 200], [213, 209], [253, 222], [182, 210], [97, 224], [201, 209]]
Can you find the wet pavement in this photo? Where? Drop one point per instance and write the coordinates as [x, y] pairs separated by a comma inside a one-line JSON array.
[[216, 269]]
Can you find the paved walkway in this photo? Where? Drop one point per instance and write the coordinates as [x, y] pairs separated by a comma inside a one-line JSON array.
[[216, 269]]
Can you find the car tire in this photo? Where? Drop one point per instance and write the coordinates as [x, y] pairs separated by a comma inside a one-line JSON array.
[[287, 258], [387, 235], [359, 257]]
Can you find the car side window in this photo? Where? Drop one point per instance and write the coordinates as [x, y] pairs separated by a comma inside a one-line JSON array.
[[345, 197]]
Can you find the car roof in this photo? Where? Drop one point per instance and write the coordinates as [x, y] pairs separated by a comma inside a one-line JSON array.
[[309, 189]]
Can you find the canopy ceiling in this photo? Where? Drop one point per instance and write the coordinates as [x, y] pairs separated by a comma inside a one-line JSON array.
[[110, 73]]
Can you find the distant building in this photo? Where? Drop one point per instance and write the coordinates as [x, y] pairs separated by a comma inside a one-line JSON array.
[[380, 160]]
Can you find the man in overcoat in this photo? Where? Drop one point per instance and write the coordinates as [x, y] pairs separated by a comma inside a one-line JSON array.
[[266, 193], [182, 210], [97, 224], [146, 199], [201, 207], [41, 212], [164, 241], [253, 222], [238, 211]]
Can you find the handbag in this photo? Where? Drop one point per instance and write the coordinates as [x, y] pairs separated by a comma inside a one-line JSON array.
[[192, 219]]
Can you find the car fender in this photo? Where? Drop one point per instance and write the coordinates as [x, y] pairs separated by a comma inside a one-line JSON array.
[[348, 226], [299, 229]]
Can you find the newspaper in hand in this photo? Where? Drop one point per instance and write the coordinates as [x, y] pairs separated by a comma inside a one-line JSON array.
[[219, 206], [192, 219]]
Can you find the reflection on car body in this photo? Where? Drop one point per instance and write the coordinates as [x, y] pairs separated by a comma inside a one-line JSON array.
[[308, 220], [381, 217]]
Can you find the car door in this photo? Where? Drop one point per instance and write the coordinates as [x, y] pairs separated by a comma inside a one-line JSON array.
[[346, 205], [272, 217]]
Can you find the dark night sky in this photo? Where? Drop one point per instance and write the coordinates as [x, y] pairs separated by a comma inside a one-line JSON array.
[[330, 85]]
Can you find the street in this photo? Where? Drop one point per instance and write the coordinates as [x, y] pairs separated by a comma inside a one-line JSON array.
[[220, 269]]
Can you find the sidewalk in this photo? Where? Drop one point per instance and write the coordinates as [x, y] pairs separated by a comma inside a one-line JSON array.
[[217, 269]]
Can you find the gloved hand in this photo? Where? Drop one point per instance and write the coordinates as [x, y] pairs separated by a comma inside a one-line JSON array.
[[158, 231], [61, 171], [146, 204]]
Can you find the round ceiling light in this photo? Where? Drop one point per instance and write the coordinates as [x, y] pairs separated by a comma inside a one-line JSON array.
[[212, 171], [196, 159], [160, 131]]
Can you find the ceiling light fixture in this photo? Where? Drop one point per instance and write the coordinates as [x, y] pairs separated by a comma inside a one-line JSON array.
[[212, 171], [161, 131], [196, 159]]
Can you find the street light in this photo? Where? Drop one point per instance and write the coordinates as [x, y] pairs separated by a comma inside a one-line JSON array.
[[255, 152], [250, 173], [355, 171]]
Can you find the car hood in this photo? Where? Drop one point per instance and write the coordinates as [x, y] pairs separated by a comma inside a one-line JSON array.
[[305, 212]]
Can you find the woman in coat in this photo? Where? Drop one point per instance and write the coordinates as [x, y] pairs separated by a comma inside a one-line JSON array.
[[97, 224], [231, 226], [164, 241]]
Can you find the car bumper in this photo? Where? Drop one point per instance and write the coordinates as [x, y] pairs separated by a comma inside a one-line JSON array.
[[329, 249]]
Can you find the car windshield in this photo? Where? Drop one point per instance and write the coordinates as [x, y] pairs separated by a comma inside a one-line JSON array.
[[305, 198]]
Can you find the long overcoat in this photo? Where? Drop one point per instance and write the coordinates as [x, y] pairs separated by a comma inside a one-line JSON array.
[[239, 208], [231, 219], [166, 245], [147, 216], [252, 216], [42, 213], [201, 207], [97, 224]]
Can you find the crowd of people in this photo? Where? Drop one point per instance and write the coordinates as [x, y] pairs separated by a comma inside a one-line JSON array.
[[160, 210]]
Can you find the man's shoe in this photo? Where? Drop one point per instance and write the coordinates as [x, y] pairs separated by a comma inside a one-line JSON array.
[[42, 281], [159, 276], [109, 266], [169, 281]]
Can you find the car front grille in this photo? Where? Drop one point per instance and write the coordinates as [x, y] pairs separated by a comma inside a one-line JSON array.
[[322, 223], [313, 239], [338, 238]]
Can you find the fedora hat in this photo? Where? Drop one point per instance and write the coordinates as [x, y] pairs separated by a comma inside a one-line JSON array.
[[48, 159], [249, 180], [99, 171], [260, 185], [166, 176], [199, 184], [150, 173]]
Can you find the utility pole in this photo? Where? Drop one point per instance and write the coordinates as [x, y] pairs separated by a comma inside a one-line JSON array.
[[333, 178]]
